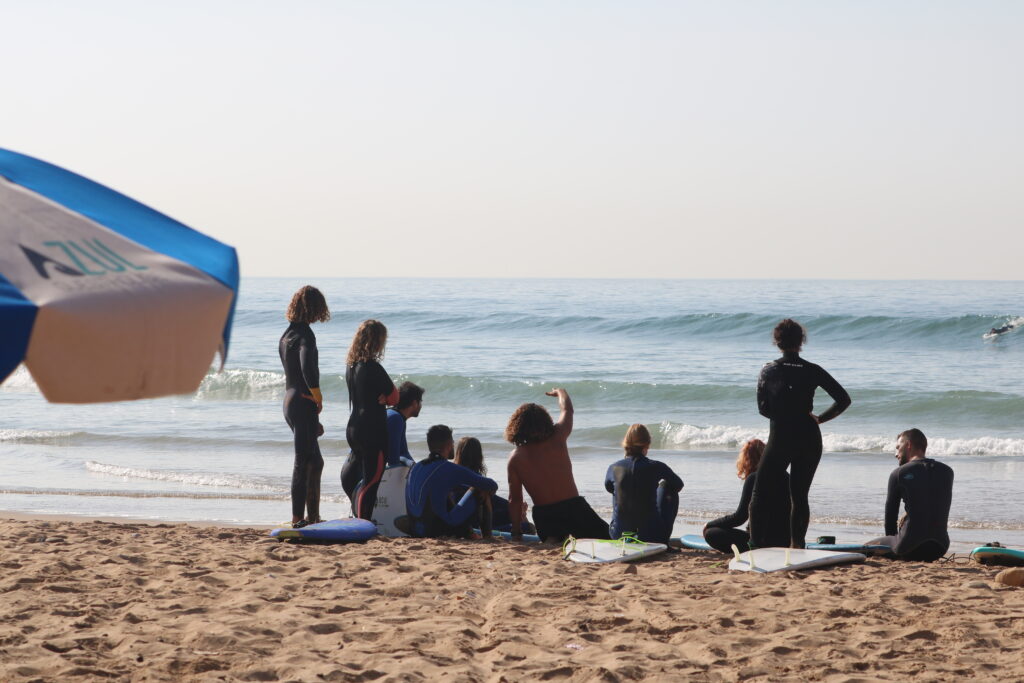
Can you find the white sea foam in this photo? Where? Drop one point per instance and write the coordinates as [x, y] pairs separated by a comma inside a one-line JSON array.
[[20, 381], [732, 437], [241, 385], [193, 478], [35, 436]]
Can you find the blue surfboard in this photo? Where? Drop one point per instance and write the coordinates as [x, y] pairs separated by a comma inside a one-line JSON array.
[[1009, 557], [693, 542], [334, 531]]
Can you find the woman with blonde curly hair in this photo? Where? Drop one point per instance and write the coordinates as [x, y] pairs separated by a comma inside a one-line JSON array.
[[303, 401], [645, 492], [370, 391], [723, 533]]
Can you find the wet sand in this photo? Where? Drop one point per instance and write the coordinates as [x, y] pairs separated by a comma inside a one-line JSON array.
[[130, 601]]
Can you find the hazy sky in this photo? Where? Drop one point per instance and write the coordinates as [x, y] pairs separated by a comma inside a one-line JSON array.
[[577, 138]]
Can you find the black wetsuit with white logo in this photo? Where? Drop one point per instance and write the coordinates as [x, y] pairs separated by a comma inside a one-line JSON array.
[[785, 395], [926, 488], [300, 359]]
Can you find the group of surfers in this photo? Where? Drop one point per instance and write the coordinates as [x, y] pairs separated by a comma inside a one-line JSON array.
[[448, 494]]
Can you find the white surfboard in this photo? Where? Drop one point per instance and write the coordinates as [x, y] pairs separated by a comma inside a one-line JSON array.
[[390, 503], [765, 560], [591, 550]]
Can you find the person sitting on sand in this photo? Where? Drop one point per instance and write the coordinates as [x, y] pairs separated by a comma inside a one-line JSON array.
[[926, 488], [645, 492], [540, 463], [470, 454], [410, 401], [723, 533], [430, 485]]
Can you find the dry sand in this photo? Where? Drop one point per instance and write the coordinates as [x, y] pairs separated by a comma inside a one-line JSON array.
[[98, 600]]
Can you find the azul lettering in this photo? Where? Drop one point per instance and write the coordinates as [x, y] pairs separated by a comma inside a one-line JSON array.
[[90, 257]]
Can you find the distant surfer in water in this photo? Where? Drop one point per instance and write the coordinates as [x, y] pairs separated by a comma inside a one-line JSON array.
[[303, 400], [723, 533], [370, 391], [645, 492], [999, 330], [540, 463], [926, 488], [785, 395]]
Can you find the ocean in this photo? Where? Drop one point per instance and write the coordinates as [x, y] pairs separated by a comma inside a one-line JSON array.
[[681, 356]]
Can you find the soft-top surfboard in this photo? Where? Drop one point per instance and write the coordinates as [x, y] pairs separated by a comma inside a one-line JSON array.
[[390, 503], [987, 554], [625, 549], [527, 538], [334, 531], [765, 560], [695, 542]]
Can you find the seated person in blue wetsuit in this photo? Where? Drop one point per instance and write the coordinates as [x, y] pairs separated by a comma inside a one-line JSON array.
[[428, 492], [645, 492], [724, 532], [410, 401], [470, 454]]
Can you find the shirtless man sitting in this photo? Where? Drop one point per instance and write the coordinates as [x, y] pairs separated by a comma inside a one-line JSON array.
[[540, 462]]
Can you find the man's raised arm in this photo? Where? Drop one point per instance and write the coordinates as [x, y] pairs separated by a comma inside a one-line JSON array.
[[564, 424]]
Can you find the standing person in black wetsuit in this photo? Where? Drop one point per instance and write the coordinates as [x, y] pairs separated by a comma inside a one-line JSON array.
[[926, 488], [303, 400], [723, 533], [370, 391], [785, 395], [645, 492]]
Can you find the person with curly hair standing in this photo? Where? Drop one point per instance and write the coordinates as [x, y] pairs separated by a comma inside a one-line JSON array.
[[370, 391], [303, 400], [540, 463], [785, 395]]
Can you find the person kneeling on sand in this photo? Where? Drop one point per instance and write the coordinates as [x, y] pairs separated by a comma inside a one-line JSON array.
[[540, 463], [429, 488], [645, 492], [926, 488]]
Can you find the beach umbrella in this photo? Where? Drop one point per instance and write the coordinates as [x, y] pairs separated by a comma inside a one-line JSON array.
[[103, 298]]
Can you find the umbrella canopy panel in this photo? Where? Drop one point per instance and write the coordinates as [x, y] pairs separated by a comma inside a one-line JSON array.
[[103, 298]]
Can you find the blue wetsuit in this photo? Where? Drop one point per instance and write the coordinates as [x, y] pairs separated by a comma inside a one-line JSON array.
[[645, 498], [398, 447], [431, 482]]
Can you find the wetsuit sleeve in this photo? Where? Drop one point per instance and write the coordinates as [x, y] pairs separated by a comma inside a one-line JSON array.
[[892, 504], [837, 392], [479, 482], [309, 362], [742, 511], [763, 395], [385, 387], [609, 479], [671, 479]]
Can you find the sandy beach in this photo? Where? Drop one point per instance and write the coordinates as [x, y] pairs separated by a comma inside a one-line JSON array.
[[92, 600]]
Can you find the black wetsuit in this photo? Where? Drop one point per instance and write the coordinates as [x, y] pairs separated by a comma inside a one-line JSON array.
[[367, 432], [785, 395], [724, 532], [926, 488], [300, 359], [645, 498]]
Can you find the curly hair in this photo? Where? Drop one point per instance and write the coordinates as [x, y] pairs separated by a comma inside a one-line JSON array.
[[308, 306], [789, 335], [637, 437], [368, 342], [530, 423], [749, 457], [470, 454]]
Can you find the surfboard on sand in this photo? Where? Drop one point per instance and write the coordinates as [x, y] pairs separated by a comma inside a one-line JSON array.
[[695, 542], [334, 531], [390, 505], [592, 550], [1009, 557], [765, 560]]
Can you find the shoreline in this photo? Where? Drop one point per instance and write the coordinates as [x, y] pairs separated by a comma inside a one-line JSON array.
[[142, 601]]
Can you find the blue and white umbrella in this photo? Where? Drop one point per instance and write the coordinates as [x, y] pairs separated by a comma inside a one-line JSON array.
[[103, 298]]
